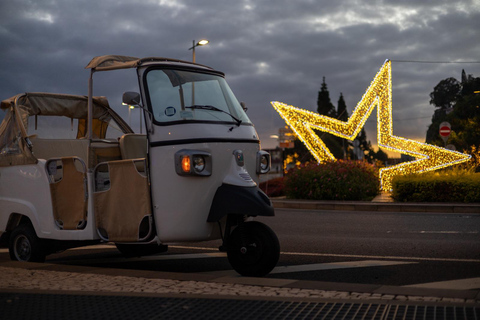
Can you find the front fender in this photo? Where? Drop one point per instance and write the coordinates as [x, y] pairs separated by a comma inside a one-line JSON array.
[[230, 199]]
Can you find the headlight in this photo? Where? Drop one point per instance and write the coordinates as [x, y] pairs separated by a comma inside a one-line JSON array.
[[263, 162], [199, 163], [193, 163]]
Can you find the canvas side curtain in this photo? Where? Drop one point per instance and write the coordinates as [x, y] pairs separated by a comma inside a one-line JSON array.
[[13, 147]]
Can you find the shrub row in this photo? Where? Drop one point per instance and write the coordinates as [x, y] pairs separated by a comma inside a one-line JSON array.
[[446, 186], [339, 180], [273, 187]]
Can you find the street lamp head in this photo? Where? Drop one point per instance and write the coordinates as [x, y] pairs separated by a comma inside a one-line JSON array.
[[199, 43]]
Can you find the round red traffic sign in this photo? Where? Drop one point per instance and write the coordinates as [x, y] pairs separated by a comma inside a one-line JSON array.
[[445, 131]]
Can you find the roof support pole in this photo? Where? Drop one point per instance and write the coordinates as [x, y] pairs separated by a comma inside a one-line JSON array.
[[90, 105]]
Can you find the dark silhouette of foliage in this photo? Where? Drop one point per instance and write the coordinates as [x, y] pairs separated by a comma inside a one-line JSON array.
[[461, 110]]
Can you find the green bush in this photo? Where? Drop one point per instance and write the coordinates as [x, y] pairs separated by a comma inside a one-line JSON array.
[[339, 180], [273, 187], [445, 186]]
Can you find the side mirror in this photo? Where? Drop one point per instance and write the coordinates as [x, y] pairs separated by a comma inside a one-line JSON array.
[[244, 107], [131, 98]]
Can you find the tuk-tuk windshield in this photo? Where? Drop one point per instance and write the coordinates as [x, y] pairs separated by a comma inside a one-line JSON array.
[[177, 95]]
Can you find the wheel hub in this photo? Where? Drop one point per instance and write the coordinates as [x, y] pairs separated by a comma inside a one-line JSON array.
[[22, 248]]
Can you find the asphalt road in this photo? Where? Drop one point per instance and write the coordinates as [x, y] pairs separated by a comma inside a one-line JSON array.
[[400, 249]]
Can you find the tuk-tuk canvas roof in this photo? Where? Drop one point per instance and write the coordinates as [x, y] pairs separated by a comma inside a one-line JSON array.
[[112, 62], [66, 105], [14, 148]]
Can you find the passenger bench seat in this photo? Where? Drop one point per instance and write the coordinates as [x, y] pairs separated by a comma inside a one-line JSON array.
[[134, 146]]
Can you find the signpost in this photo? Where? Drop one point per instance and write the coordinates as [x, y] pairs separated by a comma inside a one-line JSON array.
[[445, 130]]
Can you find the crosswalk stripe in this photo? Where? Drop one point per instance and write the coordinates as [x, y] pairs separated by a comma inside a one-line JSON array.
[[94, 247], [159, 257], [460, 284], [319, 267], [338, 265], [359, 256]]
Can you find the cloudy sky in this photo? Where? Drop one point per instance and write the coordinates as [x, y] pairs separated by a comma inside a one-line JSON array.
[[269, 50]]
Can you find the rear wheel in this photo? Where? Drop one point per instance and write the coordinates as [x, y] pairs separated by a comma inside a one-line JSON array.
[[25, 246], [253, 249]]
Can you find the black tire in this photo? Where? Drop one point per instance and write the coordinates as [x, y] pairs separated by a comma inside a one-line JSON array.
[[140, 250], [25, 246], [262, 249]]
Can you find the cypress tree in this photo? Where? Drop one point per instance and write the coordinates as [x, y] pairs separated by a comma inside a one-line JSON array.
[[324, 105]]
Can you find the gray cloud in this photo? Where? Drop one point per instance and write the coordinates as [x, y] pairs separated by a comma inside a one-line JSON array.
[[269, 50]]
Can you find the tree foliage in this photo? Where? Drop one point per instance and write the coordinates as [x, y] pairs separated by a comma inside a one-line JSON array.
[[463, 113], [324, 105], [445, 93]]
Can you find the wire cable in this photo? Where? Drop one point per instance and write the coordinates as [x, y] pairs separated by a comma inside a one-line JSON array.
[[426, 61]]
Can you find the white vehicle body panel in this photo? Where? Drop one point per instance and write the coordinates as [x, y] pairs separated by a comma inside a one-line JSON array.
[[25, 190], [182, 206]]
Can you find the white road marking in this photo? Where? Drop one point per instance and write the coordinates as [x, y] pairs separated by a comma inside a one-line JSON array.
[[338, 265], [309, 254], [460, 284], [314, 254], [158, 257], [376, 257], [97, 246], [318, 267], [445, 232]]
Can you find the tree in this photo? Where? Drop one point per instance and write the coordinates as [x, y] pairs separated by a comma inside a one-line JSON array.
[[464, 115], [324, 105], [342, 109], [343, 116], [445, 93]]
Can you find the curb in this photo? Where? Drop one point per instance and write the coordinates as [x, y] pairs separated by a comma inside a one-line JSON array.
[[461, 208]]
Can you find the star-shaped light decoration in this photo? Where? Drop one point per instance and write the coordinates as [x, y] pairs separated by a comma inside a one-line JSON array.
[[427, 157]]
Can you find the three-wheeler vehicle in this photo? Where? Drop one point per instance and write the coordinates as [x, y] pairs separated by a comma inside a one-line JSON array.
[[191, 177]]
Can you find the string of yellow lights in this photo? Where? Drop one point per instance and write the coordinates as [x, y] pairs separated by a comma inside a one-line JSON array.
[[379, 94]]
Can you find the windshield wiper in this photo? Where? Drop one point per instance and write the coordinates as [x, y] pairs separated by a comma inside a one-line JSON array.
[[212, 108]]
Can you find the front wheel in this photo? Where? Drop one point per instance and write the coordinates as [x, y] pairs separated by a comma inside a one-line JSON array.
[[253, 249], [25, 246]]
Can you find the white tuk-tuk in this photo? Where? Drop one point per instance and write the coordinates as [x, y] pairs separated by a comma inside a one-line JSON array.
[[192, 177]]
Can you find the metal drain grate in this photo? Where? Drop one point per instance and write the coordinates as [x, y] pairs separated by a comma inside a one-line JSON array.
[[54, 306]]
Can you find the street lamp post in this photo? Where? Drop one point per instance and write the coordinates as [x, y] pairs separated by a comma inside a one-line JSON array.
[[194, 45]]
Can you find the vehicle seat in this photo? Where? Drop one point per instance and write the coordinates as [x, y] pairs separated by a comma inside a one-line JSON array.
[[134, 146]]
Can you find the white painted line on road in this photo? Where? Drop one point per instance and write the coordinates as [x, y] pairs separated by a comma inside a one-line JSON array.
[[319, 267], [445, 232], [460, 284], [376, 257], [180, 256], [98, 246], [338, 265], [313, 254], [159, 257]]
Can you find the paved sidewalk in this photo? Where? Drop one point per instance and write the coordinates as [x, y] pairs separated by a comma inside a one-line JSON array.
[[35, 291]]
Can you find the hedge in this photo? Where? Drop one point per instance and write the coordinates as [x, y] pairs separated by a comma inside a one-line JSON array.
[[273, 187], [339, 180], [448, 186]]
